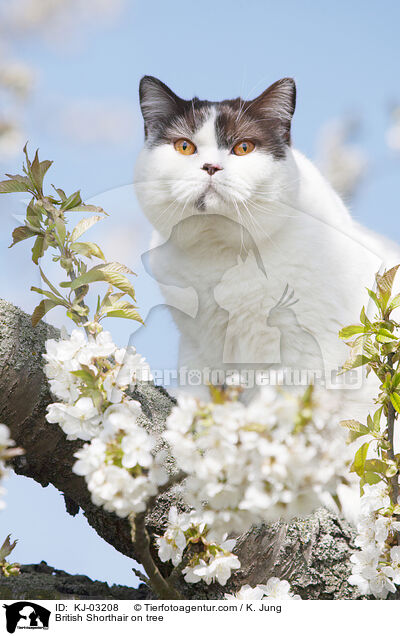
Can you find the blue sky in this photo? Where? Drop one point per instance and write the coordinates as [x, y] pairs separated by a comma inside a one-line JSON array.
[[344, 57]]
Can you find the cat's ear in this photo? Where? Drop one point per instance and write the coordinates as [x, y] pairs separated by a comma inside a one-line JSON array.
[[278, 103], [157, 102]]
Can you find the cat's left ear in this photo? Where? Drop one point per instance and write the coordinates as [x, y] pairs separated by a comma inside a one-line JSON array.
[[278, 103]]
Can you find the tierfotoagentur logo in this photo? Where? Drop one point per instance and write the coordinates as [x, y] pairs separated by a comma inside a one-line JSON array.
[[26, 615]]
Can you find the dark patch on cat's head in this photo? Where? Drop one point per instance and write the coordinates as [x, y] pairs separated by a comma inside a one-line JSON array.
[[265, 120], [168, 117]]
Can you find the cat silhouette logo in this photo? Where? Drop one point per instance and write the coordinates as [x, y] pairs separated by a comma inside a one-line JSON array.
[[26, 615]]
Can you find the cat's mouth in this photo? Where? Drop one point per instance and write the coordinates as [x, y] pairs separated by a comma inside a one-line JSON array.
[[209, 198]]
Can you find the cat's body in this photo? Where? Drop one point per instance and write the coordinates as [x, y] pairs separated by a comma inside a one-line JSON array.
[[242, 228]]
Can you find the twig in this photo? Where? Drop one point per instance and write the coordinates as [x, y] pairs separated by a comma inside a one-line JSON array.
[[140, 537], [391, 416], [142, 543], [177, 571], [141, 576]]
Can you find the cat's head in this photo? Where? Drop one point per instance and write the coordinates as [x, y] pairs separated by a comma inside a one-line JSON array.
[[228, 157]]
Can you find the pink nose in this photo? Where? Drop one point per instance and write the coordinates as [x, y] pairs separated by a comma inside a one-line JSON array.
[[211, 168]]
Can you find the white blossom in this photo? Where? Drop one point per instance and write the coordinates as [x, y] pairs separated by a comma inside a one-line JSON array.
[[119, 466], [5, 443], [380, 584], [278, 589], [218, 569], [376, 567], [245, 464], [395, 564], [374, 498], [172, 544], [79, 421], [112, 371], [5, 439], [247, 593]]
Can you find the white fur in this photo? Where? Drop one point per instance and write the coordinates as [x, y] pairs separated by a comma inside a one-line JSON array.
[[304, 234]]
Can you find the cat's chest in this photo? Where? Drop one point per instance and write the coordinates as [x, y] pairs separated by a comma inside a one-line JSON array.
[[228, 267]]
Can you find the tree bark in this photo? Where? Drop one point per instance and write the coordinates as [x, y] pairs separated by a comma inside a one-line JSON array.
[[313, 554], [41, 581], [49, 457]]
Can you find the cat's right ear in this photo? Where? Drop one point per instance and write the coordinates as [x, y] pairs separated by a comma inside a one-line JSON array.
[[157, 102]]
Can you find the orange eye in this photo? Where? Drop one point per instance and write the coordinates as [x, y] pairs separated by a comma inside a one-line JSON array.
[[243, 148], [185, 147]]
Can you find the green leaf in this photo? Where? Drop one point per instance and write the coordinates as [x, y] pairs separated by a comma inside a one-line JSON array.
[[351, 330], [353, 435], [7, 548], [357, 361], [369, 348], [123, 310], [38, 170], [60, 193], [374, 297], [377, 420], [85, 371], [131, 314], [61, 231], [41, 310], [116, 268], [386, 333], [33, 216], [395, 400], [385, 282], [72, 201], [120, 281], [83, 226], [394, 303], [354, 425], [356, 429], [376, 466], [359, 460], [107, 272], [85, 207], [383, 339], [14, 185], [44, 292], [38, 249], [21, 233], [389, 347], [86, 375], [87, 249], [113, 298], [396, 379], [82, 293], [372, 478], [46, 280], [92, 276], [364, 319]]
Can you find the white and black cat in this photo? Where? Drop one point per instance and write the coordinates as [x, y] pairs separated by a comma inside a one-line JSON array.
[[277, 262]]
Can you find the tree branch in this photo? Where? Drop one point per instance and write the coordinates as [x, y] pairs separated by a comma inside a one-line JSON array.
[[313, 554], [48, 458]]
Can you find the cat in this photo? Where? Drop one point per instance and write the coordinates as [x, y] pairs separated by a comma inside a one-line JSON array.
[[213, 174]]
